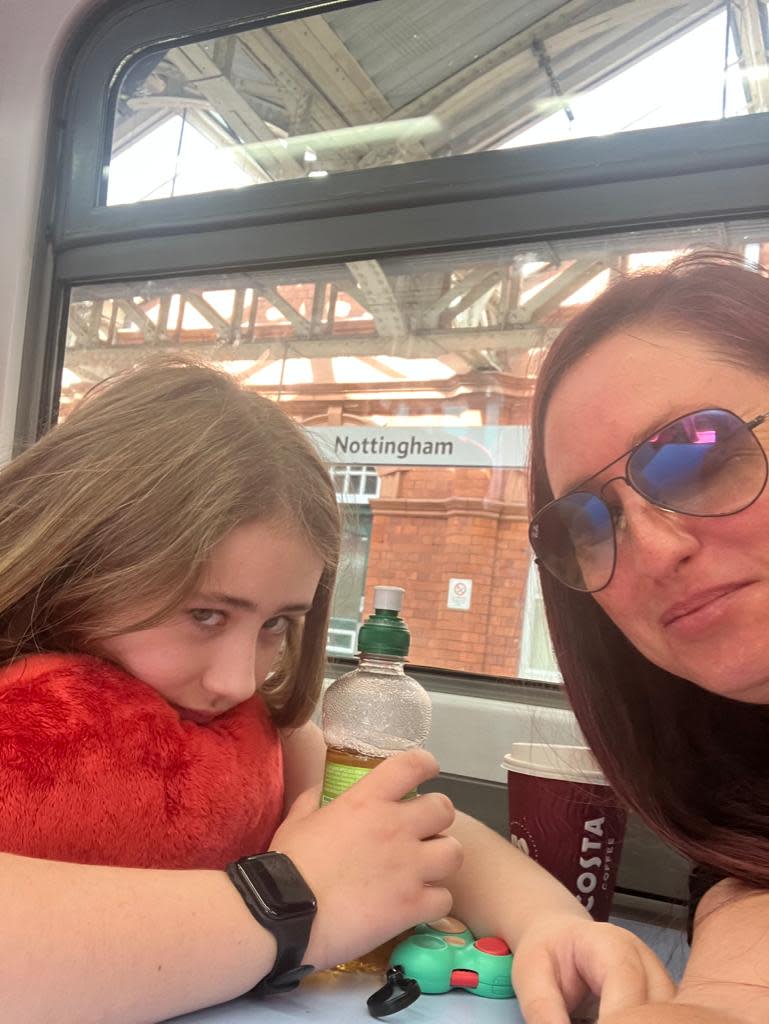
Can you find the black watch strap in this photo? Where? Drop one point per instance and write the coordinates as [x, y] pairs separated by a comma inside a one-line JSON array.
[[282, 902]]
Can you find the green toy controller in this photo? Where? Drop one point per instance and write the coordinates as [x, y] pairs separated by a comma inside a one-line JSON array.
[[441, 956]]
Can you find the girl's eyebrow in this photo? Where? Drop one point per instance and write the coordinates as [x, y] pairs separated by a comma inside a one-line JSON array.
[[244, 604]]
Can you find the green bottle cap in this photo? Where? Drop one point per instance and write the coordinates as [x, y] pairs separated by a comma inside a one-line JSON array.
[[385, 632]]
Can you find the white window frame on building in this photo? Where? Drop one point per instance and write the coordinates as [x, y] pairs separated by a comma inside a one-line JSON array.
[[535, 636], [352, 484]]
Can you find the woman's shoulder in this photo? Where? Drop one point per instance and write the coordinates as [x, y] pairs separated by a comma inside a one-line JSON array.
[[701, 880]]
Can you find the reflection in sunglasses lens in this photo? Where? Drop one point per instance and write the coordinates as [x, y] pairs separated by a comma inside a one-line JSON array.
[[709, 463], [574, 538]]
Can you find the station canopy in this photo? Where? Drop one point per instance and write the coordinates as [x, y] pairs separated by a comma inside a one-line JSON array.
[[387, 83]]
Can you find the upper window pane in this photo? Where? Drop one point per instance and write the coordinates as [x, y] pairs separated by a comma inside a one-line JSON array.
[[397, 81]]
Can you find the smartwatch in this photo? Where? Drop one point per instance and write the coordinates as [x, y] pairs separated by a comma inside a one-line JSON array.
[[283, 903]]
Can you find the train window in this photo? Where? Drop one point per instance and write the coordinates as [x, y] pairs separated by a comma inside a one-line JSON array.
[[395, 82], [400, 314], [414, 374]]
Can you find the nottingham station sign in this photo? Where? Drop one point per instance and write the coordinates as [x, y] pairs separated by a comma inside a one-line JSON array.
[[495, 447]]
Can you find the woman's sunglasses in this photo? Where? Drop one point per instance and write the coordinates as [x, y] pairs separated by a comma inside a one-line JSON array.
[[707, 463]]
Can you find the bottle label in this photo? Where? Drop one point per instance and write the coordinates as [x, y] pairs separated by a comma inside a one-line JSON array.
[[338, 778], [343, 768]]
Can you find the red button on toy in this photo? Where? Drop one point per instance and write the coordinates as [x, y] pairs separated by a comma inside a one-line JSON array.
[[496, 947], [464, 979]]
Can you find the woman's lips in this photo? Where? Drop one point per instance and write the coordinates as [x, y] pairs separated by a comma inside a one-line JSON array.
[[683, 610]]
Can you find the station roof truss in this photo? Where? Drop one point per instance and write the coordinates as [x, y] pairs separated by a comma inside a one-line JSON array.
[[376, 84]]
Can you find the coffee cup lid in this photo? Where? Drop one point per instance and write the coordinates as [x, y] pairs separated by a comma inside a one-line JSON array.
[[554, 761]]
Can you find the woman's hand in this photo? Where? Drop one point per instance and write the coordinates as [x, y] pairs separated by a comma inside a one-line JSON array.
[[561, 961], [374, 862]]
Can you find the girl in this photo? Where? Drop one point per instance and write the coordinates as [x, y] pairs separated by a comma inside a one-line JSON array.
[[185, 534], [168, 556], [651, 519]]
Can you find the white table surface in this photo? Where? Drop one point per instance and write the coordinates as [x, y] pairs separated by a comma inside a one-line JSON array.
[[341, 998]]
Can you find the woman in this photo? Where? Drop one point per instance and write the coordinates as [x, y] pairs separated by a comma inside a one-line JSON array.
[[651, 526]]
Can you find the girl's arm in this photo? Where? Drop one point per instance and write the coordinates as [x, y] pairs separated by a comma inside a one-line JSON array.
[[561, 955], [102, 945], [499, 890], [304, 754], [82, 944]]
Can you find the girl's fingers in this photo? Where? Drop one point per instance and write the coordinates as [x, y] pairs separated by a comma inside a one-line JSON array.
[[443, 856], [396, 776], [428, 815], [436, 902]]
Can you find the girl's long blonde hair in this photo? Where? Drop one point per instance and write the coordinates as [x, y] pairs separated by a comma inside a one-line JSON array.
[[121, 504]]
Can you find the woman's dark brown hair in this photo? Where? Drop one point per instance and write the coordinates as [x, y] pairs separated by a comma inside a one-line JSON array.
[[692, 764]]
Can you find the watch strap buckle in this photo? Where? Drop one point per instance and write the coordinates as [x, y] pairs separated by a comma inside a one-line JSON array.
[[286, 981]]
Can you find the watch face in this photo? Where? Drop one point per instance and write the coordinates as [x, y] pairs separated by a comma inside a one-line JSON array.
[[277, 885]]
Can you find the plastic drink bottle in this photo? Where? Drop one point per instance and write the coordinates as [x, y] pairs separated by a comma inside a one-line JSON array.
[[376, 710]]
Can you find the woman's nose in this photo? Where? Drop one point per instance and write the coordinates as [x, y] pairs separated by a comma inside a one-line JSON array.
[[655, 542]]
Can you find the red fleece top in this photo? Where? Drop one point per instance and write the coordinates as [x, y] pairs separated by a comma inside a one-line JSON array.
[[96, 767]]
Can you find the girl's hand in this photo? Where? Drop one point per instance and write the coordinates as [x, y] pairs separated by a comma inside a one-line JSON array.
[[374, 862], [562, 961]]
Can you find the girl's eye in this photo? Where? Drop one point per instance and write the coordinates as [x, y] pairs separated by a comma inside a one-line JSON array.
[[207, 617], [277, 626]]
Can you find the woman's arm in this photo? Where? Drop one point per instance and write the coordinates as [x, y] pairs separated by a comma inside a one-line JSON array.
[[492, 867], [561, 956]]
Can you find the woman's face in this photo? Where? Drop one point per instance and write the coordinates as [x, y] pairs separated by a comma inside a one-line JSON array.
[[217, 649], [692, 594]]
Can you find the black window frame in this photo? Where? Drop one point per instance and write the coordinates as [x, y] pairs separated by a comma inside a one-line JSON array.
[[663, 177]]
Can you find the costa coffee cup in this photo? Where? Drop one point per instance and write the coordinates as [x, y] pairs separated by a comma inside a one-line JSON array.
[[564, 816]]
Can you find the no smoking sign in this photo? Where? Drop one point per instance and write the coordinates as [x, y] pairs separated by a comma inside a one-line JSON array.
[[460, 594]]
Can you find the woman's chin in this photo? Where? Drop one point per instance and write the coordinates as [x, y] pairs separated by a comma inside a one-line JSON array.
[[747, 684], [726, 669]]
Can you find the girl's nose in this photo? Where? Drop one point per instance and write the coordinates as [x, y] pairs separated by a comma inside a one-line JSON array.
[[232, 677]]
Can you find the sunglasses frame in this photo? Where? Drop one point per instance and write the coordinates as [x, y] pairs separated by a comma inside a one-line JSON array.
[[628, 455]]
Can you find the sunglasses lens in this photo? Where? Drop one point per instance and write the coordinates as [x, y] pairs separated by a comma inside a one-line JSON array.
[[708, 464], [573, 538]]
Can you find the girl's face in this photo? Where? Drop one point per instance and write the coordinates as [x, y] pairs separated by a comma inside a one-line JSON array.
[[217, 649], [692, 594]]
